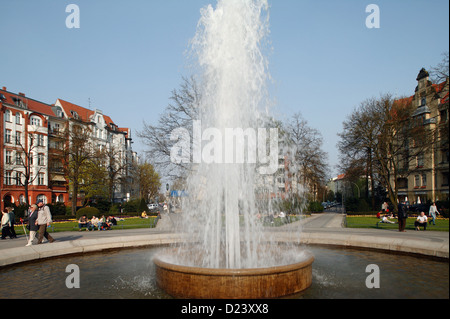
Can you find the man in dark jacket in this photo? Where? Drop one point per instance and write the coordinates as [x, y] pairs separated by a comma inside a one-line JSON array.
[[402, 216], [33, 228]]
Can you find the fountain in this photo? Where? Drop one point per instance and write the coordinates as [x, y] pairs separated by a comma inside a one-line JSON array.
[[228, 254]]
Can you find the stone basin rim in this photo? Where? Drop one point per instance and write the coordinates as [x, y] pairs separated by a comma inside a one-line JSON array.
[[195, 270]]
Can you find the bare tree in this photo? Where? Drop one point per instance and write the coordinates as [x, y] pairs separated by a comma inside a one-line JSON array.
[[28, 162], [385, 133], [440, 72], [180, 113], [303, 148], [116, 167]]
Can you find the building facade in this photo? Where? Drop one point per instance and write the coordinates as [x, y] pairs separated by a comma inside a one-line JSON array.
[[428, 180], [31, 140]]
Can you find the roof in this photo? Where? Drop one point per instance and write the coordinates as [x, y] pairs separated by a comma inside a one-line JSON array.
[[30, 104], [84, 114]]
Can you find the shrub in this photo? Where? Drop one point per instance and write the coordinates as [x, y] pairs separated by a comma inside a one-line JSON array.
[[57, 209], [102, 205], [88, 211], [315, 207], [142, 207], [131, 206]]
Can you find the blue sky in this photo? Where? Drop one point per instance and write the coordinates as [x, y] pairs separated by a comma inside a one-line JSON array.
[[127, 56]]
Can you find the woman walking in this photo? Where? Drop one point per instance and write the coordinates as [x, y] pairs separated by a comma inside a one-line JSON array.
[[32, 217], [6, 224]]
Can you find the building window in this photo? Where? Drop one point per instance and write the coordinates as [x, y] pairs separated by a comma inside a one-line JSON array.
[[41, 178], [424, 180], [41, 161], [36, 121], [417, 181], [40, 140], [445, 156], [59, 113], [19, 158], [8, 178], [420, 160], [18, 118], [18, 138], [8, 116], [402, 183], [7, 136], [21, 199], [18, 179], [445, 179], [8, 158], [423, 102]]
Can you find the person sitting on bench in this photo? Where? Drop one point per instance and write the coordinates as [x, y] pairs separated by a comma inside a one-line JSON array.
[[421, 221]]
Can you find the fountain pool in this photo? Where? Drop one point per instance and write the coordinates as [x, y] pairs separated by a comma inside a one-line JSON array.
[[130, 274]]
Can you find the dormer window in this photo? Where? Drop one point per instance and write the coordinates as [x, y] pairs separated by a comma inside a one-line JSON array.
[[423, 102], [59, 113], [18, 102], [75, 115]]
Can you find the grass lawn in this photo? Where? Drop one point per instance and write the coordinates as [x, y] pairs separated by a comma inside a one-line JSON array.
[[126, 223], [371, 222]]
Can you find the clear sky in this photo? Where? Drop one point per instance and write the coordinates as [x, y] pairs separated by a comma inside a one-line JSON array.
[[127, 56]]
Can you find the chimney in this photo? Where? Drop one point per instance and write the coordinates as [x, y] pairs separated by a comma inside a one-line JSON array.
[[22, 94], [4, 88]]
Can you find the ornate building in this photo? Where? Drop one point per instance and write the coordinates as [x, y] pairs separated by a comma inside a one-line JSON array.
[[31, 135], [429, 178]]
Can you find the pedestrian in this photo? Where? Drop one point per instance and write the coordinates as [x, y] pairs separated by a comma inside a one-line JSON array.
[[32, 227], [12, 219], [432, 213], [6, 224], [43, 221], [402, 216], [384, 207]]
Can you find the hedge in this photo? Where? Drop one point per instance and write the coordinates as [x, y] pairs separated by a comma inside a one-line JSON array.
[[88, 211]]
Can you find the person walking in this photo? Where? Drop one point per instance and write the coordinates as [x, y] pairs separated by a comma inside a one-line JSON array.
[[12, 219], [432, 213], [33, 227], [6, 224], [402, 216], [43, 220]]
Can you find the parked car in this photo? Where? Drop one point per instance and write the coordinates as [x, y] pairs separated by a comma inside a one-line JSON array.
[[152, 206]]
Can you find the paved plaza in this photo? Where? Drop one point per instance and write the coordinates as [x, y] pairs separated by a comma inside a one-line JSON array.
[[322, 229]]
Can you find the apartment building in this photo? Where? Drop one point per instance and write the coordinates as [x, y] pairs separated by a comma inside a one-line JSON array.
[[31, 134], [430, 170]]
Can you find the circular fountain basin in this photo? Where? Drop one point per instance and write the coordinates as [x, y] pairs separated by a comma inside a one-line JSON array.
[[208, 283]]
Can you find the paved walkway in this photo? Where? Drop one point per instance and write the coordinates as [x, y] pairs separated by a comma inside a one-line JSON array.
[[325, 229]]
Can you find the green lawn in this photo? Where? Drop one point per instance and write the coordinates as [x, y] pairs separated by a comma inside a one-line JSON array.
[[371, 222], [126, 223]]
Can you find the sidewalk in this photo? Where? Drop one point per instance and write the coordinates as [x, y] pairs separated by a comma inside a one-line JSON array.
[[324, 229]]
